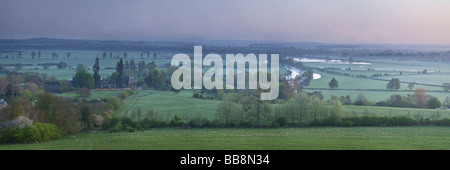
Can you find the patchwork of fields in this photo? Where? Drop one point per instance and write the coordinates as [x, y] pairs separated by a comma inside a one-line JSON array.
[[167, 104], [375, 89]]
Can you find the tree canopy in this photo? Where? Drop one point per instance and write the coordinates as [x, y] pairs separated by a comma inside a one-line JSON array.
[[83, 79], [333, 83]]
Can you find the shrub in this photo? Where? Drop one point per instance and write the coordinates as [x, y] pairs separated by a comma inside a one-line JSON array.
[[123, 94], [115, 128], [114, 101], [276, 125], [129, 92], [379, 121], [281, 121], [176, 121], [39, 132], [442, 122], [48, 131], [129, 128], [128, 122], [147, 123], [347, 123]]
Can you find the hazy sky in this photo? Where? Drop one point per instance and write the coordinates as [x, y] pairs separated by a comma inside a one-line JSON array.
[[342, 21]]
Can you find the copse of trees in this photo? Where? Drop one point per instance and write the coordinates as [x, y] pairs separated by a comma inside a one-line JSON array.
[[244, 109], [247, 110], [394, 84], [396, 100], [288, 88], [419, 100], [62, 65]]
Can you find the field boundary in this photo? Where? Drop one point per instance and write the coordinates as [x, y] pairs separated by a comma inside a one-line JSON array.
[[385, 90]]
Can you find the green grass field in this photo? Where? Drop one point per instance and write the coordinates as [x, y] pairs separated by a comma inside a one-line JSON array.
[[168, 104], [329, 138], [94, 94]]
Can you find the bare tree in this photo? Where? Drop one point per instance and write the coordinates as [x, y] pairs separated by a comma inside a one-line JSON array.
[[420, 97]]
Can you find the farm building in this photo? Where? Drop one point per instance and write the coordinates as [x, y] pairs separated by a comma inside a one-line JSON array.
[[106, 84]]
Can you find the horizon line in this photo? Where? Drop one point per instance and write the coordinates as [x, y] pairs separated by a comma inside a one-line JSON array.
[[238, 40]]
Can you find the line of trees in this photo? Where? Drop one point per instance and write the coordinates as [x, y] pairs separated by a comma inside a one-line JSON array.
[[420, 99], [246, 110]]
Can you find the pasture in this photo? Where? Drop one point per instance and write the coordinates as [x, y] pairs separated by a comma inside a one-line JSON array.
[[314, 138], [168, 104]]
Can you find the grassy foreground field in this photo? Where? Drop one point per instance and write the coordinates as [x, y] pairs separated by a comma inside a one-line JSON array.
[[329, 138]]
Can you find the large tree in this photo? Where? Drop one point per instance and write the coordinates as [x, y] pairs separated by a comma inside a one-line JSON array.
[[410, 86], [420, 97], [394, 84], [62, 112], [434, 103], [127, 65], [333, 83], [446, 86], [96, 69], [156, 78], [119, 70], [80, 67], [133, 65], [141, 67], [83, 79]]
